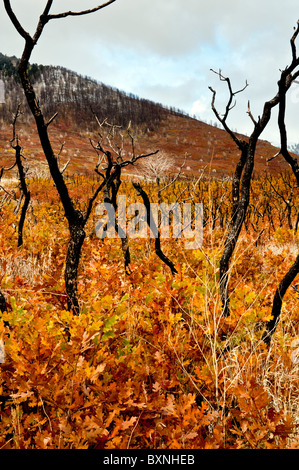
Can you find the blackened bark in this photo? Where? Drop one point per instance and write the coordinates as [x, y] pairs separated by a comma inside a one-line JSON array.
[[2, 303], [239, 207], [113, 182], [241, 182], [25, 191], [151, 223], [278, 298], [77, 237], [76, 223], [22, 218], [287, 78], [76, 219]]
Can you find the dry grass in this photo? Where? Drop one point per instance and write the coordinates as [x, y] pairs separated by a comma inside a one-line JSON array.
[[30, 268]]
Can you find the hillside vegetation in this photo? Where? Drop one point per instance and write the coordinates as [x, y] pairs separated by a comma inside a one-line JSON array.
[[78, 99], [146, 364], [148, 360]]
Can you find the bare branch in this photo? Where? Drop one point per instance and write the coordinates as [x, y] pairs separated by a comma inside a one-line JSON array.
[[80, 13], [232, 93], [250, 114], [152, 224], [274, 156], [223, 120], [15, 21], [136, 158], [14, 123], [293, 45], [52, 119], [112, 136], [7, 192], [7, 169], [230, 105], [65, 167]]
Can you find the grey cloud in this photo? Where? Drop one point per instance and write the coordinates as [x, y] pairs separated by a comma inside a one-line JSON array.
[[167, 28], [180, 39]]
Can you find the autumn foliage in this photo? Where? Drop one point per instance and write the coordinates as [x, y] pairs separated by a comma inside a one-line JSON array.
[[149, 362]]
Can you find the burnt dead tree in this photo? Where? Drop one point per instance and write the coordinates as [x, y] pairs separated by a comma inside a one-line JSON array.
[[241, 183], [2, 298], [76, 219], [25, 193], [288, 76], [111, 148], [153, 226], [24, 188]]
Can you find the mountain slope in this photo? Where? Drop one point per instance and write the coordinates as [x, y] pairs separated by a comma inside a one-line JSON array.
[[77, 98]]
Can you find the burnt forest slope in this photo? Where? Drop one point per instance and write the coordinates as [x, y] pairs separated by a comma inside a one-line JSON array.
[[77, 99]]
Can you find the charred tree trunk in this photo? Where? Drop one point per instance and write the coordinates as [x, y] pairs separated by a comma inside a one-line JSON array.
[[111, 192], [2, 303], [151, 223], [76, 223], [76, 219], [25, 191], [77, 237], [22, 218], [239, 208], [241, 184], [287, 77], [277, 300]]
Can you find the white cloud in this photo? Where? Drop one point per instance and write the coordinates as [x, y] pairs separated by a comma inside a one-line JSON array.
[[198, 108]]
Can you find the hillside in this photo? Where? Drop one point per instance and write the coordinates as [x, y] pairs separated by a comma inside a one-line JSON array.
[[76, 98]]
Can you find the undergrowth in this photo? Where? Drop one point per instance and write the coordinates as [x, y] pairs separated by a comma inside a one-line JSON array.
[[150, 362]]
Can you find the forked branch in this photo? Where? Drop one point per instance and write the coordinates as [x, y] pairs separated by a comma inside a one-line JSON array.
[[231, 103], [46, 17], [22, 176], [152, 224], [76, 219], [79, 13], [288, 76], [241, 183]]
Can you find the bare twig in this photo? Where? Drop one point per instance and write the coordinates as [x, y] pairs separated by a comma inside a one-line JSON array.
[[274, 156], [250, 114], [152, 224], [52, 119], [229, 106], [79, 13]]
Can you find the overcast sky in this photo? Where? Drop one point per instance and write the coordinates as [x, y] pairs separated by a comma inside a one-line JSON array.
[[163, 50]]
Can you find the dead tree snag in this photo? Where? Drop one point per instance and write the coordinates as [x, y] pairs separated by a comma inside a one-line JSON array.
[[288, 76], [241, 180]]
